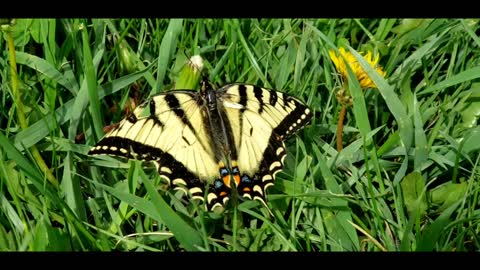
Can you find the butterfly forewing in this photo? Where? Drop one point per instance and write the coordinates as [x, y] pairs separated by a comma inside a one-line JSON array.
[[169, 130]]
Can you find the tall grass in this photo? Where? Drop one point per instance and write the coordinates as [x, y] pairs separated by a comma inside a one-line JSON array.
[[407, 178]]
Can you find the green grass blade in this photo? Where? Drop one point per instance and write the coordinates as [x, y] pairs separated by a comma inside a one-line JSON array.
[[433, 232], [158, 209], [47, 69], [167, 46], [301, 57], [464, 76], [27, 166], [11, 214], [337, 222], [72, 189], [251, 57], [91, 80], [384, 28], [392, 100], [470, 144], [40, 129], [138, 203], [414, 60], [282, 71], [471, 32], [421, 146], [40, 183], [189, 237]]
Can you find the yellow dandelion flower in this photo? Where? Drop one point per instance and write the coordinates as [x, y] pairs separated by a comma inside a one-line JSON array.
[[363, 78]]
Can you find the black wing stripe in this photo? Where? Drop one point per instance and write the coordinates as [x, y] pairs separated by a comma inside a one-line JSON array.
[[168, 166], [179, 109], [152, 108], [273, 105], [229, 133], [122, 147], [132, 118], [242, 93], [273, 97], [259, 95], [153, 113], [271, 164], [174, 105], [156, 121], [294, 121], [285, 100]]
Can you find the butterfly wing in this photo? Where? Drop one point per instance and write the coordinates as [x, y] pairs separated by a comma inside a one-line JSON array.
[[171, 131], [261, 120]]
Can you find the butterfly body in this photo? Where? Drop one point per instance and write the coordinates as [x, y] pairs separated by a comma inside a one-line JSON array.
[[229, 138]]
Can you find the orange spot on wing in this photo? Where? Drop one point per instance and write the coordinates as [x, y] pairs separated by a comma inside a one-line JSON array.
[[236, 177], [226, 180], [223, 193], [246, 189]]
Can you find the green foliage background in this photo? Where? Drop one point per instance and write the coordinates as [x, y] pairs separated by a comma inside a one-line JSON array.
[[406, 180]]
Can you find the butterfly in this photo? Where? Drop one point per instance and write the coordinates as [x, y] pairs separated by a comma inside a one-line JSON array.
[[209, 142]]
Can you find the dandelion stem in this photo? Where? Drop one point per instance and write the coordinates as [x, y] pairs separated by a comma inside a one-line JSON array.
[[341, 118], [20, 114]]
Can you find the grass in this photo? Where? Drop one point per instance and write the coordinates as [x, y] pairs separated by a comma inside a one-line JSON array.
[[407, 178]]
